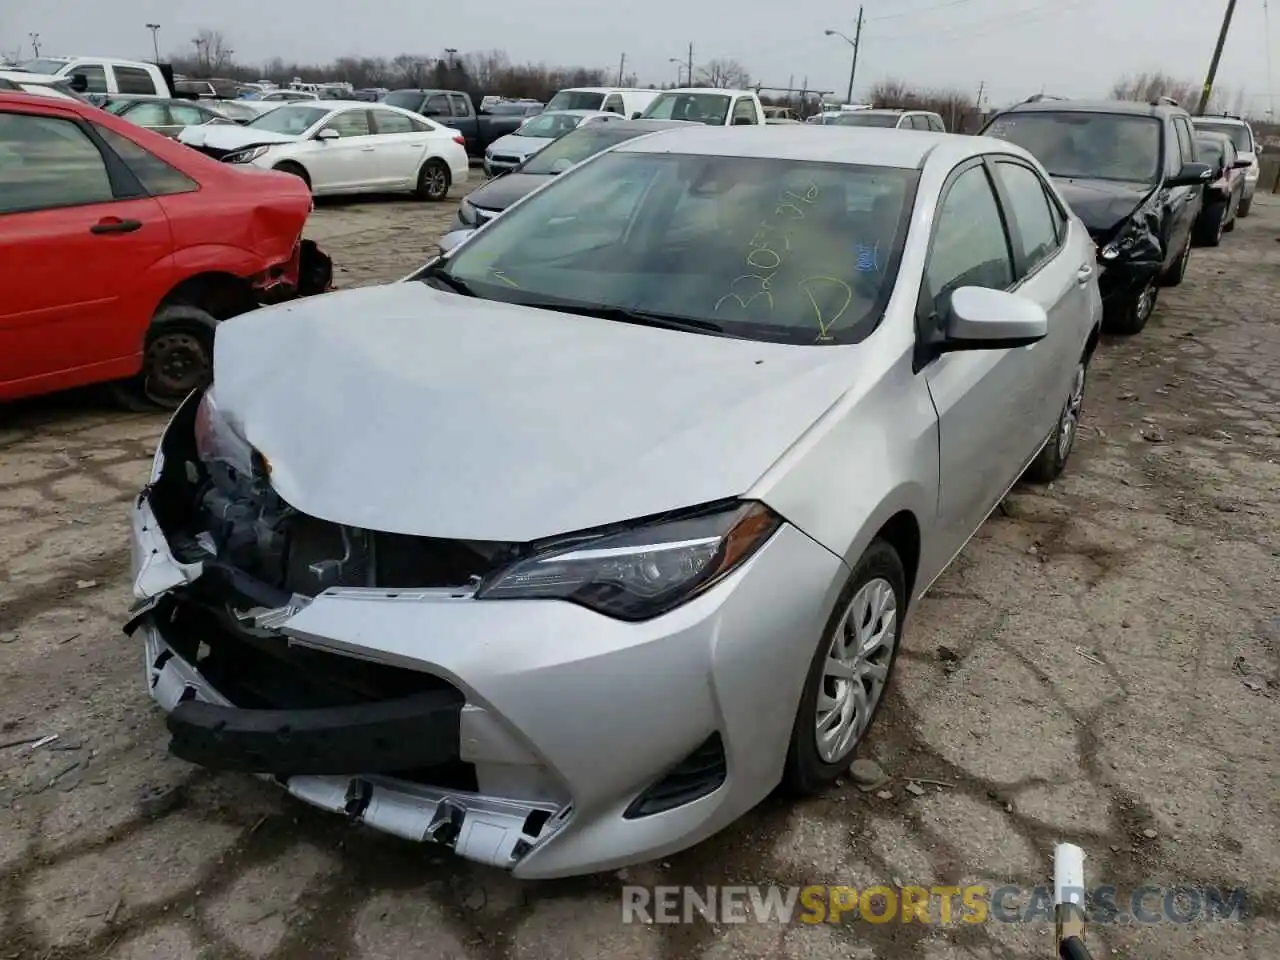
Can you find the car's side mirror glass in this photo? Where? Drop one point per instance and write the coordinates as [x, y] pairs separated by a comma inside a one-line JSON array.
[[561, 165], [978, 318], [1242, 164], [79, 82], [453, 239], [1191, 174], [328, 134]]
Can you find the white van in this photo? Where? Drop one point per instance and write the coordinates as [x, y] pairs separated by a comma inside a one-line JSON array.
[[628, 102]]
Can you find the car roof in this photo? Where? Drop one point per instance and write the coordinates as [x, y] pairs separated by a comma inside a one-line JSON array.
[[638, 126], [1133, 107], [574, 113], [724, 91], [889, 110], [10, 98], [1220, 118], [873, 146]]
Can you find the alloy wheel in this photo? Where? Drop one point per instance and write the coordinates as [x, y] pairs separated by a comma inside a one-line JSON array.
[[856, 668], [1146, 302], [1069, 424]]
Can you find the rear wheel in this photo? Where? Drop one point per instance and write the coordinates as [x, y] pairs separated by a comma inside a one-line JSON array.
[[1245, 205], [849, 672], [1052, 459], [433, 181], [1211, 226], [1179, 270], [177, 358]]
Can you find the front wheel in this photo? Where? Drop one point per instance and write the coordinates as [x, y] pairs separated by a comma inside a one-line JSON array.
[[849, 672], [176, 359], [1130, 317], [1052, 459], [1245, 206]]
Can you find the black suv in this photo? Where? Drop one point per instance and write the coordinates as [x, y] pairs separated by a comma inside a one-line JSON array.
[[1130, 171]]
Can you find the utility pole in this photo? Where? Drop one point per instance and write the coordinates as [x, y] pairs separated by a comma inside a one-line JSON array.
[[791, 83], [690, 76], [35, 42], [155, 43], [621, 65], [982, 85], [1217, 55], [853, 69]]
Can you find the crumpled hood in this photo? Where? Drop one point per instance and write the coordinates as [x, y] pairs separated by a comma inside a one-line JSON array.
[[410, 410], [227, 137], [517, 146], [1101, 204], [501, 192]]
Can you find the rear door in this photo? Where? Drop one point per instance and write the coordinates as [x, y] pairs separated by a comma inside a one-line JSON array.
[[182, 115], [77, 234], [1044, 271], [401, 148], [1183, 202], [463, 119], [153, 115]]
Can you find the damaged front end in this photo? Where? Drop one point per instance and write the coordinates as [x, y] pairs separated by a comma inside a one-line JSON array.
[[236, 591], [1131, 253], [307, 272]]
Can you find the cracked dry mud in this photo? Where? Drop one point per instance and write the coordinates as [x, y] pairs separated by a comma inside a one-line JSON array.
[[1116, 640]]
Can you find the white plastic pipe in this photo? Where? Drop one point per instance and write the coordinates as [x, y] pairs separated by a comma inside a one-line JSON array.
[[1068, 874]]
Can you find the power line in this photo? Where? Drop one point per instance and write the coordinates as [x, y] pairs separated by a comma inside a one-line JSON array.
[[1015, 18], [919, 10]]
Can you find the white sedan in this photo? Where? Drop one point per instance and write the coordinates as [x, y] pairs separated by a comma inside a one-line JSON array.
[[343, 147]]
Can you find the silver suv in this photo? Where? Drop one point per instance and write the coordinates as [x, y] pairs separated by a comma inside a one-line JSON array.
[[1241, 135]]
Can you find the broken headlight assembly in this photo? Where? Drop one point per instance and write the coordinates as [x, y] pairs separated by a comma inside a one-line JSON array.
[[1122, 243], [246, 156], [218, 441], [640, 573]]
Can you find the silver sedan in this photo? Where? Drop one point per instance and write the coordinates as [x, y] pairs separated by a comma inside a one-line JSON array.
[[568, 550]]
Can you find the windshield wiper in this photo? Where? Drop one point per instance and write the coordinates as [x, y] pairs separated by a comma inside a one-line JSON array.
[[448, 281], [663, 321]]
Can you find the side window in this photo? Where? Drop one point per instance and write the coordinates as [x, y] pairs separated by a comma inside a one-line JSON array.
[[388, 122], [47, 162], [1030, 209], [970, 247], [1179, 148], [1186, 142], [188, 116], [149, 115], [353, 123], [157, 177], [419, 125], [437, 106], [134, 80], [94, 73], [936, 124], [1059, 215], [744, 111], [461, 105], [613, 104], [920, 122]]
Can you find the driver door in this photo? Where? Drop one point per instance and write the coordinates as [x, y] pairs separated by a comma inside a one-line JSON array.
[[350, 162]]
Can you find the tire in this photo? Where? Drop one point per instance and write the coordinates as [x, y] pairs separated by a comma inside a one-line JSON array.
[[177, 358], [1175, 274], [1231, 223], [433, 181], [877, 576], [1052, 459], [1211, 226], [1132, 316], [1246, 205], [294, 170]]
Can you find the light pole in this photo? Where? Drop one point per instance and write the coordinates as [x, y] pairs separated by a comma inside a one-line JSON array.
[[679, 67], [452, 52], [857, 39], [35, 42], [155, 43]]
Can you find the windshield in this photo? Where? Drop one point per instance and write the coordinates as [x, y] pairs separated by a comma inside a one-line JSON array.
[[549, 125], [1210, 150], [708, 108], [777, 250], [293, 119], [576, 100], [573, 148], [405, 99], [42, 65], [1081, 144], [1238, 133], [861, 119]]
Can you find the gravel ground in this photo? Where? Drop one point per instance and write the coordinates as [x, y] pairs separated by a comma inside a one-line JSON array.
[[1099, 666]]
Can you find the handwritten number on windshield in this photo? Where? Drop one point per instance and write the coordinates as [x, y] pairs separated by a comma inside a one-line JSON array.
[[767, 252], [820, 288]]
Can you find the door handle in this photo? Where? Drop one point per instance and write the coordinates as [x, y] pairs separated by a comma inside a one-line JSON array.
[[115, 225], [1083, 274]]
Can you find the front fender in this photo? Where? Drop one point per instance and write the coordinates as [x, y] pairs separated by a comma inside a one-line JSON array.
[[223, 258]]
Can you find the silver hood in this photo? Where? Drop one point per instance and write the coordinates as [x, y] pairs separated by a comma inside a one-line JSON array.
[[410, 410], [231, 137]]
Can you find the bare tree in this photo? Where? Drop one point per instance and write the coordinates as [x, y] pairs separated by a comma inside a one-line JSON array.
[[1146, 87], [954, 106], [411, 68], [213, 53], [724, 73]]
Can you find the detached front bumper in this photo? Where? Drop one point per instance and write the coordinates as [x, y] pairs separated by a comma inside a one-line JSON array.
[[536, 736]]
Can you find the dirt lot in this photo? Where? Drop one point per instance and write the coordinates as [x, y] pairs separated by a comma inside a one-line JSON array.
[[1109, 677]]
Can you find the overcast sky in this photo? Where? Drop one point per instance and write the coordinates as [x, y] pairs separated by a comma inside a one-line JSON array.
[[1075, 47]]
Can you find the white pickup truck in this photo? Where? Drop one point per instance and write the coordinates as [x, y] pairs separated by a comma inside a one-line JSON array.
[[712, 106], [103, 76]]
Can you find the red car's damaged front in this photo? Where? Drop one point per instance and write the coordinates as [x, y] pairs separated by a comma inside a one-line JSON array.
[[123, 250]]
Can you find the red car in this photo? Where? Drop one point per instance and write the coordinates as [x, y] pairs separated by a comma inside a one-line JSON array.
[[122, 250]]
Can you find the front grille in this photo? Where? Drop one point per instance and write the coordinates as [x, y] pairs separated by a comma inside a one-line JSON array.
[[702, 772], [502, 159]]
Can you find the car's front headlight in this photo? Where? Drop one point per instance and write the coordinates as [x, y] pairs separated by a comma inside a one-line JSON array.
[[245, 156], [639, 573], [467, 213], [218, 441]]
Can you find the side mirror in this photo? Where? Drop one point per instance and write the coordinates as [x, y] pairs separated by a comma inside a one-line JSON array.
[[982, 319], [1242, 164], [639, 113], [79, 83], [1257, 148], [1191, 175], [328, 133], [453, 239], [560, 166]]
